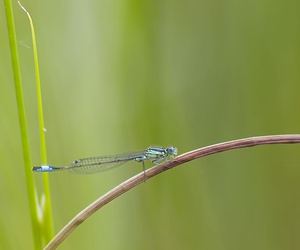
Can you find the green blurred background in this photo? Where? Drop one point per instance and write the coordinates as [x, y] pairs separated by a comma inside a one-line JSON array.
[[121, 75]]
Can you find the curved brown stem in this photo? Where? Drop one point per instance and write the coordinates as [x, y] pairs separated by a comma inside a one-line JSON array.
[[151, 172]]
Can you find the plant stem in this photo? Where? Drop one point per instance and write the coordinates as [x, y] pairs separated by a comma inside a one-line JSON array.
[[151, 172], [30, 185], [46, 223]]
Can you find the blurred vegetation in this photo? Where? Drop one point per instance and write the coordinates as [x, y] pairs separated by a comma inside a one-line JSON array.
[[122, 75]]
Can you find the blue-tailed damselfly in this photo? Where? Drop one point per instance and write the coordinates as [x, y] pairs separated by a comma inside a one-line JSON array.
[[100, 163]]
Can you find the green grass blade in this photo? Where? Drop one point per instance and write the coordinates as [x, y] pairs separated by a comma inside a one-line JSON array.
[[30, 185], [47, 225]]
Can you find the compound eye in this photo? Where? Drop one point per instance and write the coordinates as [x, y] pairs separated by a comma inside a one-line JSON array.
[[171, 150]]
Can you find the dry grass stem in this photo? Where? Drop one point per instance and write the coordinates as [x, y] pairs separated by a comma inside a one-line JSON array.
[[151, 172]]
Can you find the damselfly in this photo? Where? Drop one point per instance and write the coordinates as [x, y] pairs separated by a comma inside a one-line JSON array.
[[100, 163]]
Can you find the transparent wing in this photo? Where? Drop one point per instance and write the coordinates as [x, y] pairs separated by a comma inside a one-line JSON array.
[[101, 163]]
